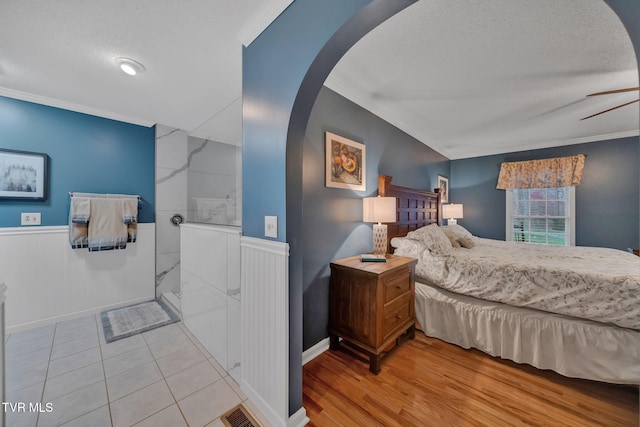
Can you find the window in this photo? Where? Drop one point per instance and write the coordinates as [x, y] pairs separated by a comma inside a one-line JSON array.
[[541, 215]]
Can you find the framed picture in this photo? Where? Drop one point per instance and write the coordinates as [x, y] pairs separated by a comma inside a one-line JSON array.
[[345, 163], [443, 185], [23, 175]]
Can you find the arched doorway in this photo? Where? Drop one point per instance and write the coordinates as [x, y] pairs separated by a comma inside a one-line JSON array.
[[276, 111]]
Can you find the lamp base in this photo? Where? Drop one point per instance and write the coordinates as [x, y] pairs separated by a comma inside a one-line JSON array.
[[452, 221], [380, 239]]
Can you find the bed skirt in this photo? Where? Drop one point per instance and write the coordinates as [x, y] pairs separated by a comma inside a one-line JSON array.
[[572, 347]]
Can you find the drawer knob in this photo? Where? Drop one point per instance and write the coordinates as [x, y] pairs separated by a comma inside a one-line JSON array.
[[398, 287], [398, 317]]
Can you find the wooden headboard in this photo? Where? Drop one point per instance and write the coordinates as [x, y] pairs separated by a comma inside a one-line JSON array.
[[415, 208]]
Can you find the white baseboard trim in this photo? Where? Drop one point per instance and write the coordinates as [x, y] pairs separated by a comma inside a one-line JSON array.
[[57, 319], [299, 419], [312, 352], [264, 408]]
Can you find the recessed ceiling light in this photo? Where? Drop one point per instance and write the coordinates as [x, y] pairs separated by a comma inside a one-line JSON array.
[[130, 66]]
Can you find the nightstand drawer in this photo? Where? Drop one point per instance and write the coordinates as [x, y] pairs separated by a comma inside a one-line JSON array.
[[396, 313], [396, 285]]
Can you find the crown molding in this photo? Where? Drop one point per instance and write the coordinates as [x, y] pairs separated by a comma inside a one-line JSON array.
[[261, 19], [527, 146], [78, 108]]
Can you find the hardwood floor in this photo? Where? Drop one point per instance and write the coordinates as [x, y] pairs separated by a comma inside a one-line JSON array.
[[427, 382]]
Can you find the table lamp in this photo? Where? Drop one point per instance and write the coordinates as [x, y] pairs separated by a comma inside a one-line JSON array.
[[379, 209], [452, 211]]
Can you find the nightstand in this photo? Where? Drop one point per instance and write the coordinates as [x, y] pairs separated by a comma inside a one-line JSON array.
[[371, 305]]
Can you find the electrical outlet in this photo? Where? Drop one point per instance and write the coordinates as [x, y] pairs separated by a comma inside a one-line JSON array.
[[271, 226], [30, 218]]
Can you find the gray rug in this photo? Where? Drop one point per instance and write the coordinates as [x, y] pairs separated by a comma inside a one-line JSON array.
[[127, 321]]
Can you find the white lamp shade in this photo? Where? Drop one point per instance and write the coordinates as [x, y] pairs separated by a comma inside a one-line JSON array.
[[379, 209], [453, 210]]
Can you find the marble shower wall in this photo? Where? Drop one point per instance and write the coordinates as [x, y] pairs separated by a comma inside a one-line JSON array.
[[214, 182], [198, 179], [172, 162]]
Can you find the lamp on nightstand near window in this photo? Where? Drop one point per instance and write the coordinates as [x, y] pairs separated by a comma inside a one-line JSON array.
[[452, 211], [379, 209]]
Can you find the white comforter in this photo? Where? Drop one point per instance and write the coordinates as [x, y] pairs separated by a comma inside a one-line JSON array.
[[591, 283]]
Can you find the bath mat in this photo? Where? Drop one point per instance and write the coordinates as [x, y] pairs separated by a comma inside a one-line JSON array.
[[127, 321]]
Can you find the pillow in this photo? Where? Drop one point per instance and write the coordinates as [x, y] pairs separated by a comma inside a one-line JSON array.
[[455, 232], [453, 238], [408, 247], [466, 242], [434, 239]]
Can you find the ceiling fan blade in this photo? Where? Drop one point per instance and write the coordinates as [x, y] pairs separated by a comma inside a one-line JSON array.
[[611, 109], [608, 92]]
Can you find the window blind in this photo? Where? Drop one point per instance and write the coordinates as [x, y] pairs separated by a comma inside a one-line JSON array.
[[540, 215]]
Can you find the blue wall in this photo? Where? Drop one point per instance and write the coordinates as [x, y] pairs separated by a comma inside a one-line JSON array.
[[274, 66], [86, 154], [332, 217], [283, 71], [606, 200]]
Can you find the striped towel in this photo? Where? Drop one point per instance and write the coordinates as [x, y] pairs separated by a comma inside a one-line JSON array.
[[78, 234], [129, 210], [107, 231], [80, 209], [132, 232], [79, 213]]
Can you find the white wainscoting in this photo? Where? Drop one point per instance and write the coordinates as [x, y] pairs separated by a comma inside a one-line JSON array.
[[210, 290], [265, 329], [48, 282]]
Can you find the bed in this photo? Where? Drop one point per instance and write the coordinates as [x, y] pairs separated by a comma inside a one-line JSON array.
[[573, 310]]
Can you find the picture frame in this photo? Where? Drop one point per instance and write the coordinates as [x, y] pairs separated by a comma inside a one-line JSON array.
[[345, 165], [23, 175], [443, 185]]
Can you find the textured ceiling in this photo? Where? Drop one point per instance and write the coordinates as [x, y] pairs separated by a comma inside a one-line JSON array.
[[467, 78], [472, 78], [62, 53]]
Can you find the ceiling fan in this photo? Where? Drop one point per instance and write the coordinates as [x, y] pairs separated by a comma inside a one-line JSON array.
[[628, 89]]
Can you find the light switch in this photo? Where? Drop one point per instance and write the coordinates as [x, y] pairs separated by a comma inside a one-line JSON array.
[[30, 218], [271, 226]]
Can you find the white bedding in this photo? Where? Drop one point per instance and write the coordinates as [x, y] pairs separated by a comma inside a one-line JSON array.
[[597, 284]]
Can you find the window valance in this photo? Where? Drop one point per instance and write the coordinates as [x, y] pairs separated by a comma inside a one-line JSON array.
[[544, 173]]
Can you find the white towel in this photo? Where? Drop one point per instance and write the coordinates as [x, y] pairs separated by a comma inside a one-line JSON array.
[[80, 209], [78, 233], [130, 210], [107, 231]]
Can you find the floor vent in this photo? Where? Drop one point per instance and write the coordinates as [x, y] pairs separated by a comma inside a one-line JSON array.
[[238, 417]]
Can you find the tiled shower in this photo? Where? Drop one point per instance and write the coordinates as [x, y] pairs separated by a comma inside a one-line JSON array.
[[198, 179], [198, 184]]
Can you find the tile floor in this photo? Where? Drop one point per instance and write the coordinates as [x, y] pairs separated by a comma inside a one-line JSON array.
[[163, 377]]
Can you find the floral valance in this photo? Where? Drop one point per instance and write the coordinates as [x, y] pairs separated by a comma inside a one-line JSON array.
[[545, 173]]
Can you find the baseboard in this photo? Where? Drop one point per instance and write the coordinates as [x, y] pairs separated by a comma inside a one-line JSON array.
[[299, 419], [265, 409], [312, 352], [57, 319]]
